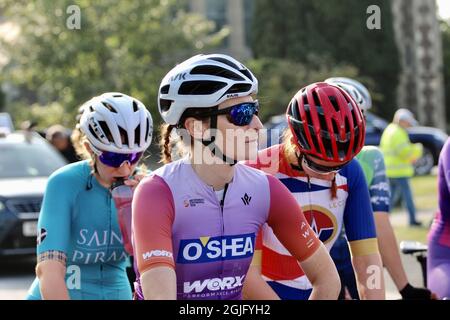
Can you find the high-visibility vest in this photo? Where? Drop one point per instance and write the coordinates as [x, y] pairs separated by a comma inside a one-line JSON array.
[[399, 153]]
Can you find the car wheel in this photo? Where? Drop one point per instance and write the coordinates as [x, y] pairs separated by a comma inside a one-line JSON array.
[[424, 165]]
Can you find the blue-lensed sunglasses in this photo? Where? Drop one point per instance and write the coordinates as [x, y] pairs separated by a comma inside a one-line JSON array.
[[240, 114], [114, 159]]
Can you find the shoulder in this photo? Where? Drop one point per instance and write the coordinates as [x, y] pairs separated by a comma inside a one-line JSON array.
[[170, 169], [351, 169], [372, 151], [152, 185], [270, 160], [71, 175], [249, 171], [370, 154]]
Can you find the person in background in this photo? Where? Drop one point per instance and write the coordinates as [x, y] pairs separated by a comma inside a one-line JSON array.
[[316, 163], [372, 162], [58, 136], [438, 263], [399, 155], [80, 248]]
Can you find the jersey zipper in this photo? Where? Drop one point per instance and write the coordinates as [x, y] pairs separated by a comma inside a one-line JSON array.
[[222, 203]]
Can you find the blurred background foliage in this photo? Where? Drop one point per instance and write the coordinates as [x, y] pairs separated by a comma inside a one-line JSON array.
[[124, 46], [128, 46]]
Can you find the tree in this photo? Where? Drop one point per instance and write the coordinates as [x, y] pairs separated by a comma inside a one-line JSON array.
[[124, 46], [280, 79], [445, 28], [335, 30]]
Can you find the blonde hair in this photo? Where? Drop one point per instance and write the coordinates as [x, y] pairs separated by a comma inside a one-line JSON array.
[[166, 143], [79, 139], [291, 153]]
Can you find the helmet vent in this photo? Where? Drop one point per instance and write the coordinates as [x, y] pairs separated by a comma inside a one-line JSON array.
[[334, 103], [165, 89], [200, 87], [109, 107], [165, 104], [124, 136], [307, 113], [247, 74], [137, 135], [147, 128], [225, 61], [239, 88], [335, 127], [135, 106], [106, 130], [117, 96], [316, 98], [216, 71]]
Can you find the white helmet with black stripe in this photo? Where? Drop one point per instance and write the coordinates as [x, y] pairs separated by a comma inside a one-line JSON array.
[[203, 81], [355, 89], [116, 122]]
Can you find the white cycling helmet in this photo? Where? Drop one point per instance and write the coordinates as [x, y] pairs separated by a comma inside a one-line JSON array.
[[203, 81], [116, 122], [355, 89]]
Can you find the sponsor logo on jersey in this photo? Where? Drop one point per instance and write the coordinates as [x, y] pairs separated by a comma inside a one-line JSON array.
[[215, 284], [246, 199], [207, 249], [322, 221], [193, 202], [156, 253]]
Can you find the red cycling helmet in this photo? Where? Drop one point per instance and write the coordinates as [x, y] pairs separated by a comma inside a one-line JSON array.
[[326, 123]]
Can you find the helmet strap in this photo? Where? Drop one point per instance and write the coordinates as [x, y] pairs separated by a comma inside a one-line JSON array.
[[213, 147]]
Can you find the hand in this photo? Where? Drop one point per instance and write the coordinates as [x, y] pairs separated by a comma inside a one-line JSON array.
[[411, 293], [134, 180]]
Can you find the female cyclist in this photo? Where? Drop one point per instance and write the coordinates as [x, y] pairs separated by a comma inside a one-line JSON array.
[[315, 161], [195, 220], [372, 161], [80, 251], [438, 263]]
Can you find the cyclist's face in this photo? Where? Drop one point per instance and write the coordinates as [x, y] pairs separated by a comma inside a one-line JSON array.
[[109, 174], [239, 142]]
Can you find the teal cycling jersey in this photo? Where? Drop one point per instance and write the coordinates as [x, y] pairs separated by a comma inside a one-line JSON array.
[[78, 220], [372, 162]]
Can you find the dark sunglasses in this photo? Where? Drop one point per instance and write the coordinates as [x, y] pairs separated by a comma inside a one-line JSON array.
[[240, 114], [114, 159], [322, 169]]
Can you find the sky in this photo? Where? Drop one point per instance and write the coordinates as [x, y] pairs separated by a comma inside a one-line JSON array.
[[444, 8]]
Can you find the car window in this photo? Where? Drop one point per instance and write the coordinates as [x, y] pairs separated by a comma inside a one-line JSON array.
[[20, 160]]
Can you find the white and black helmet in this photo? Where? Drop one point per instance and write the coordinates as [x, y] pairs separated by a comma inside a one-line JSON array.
[[116, 122], [355, 89], [203, 81]]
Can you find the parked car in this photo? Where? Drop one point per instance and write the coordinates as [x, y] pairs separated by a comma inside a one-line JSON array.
[[6, 124], [26, 162], [433, 139]]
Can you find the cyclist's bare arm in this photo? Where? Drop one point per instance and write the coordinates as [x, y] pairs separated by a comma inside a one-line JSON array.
[[152, 231], [255, 287], [293, 231], [369, 276], [51, 274], [322, 273], [389, 249], [164, 279]]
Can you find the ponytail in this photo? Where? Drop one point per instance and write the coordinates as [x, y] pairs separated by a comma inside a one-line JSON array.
[[165, 143]]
